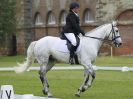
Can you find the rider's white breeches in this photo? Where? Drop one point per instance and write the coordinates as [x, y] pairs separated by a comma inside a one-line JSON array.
[[71, 37]]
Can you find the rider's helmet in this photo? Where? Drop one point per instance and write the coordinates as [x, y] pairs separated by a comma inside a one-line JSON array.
[[74, 5]]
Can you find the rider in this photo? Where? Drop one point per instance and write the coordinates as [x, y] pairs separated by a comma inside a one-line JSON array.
[[72, 28]]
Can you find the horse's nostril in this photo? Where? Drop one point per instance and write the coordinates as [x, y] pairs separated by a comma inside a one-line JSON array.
[[120, 43]]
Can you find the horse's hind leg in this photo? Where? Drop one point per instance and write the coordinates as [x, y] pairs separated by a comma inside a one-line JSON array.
[[43, 70], [44, 81]]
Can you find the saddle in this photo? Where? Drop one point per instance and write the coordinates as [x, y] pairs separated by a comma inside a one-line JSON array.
[[63, 37]]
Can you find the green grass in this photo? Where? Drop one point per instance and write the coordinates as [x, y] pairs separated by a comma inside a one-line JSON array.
[[115, 61], [63, 84], [10, 61]]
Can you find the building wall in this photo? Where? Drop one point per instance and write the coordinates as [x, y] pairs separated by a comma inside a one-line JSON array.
[[108, 10], [122, 11], [103, 11], [20, 42]]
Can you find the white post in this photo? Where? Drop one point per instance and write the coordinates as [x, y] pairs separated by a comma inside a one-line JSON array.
[[111, 51]]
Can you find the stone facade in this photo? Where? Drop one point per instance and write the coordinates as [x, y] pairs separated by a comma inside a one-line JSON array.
[[101, 11], [122, 11], [108, 10]]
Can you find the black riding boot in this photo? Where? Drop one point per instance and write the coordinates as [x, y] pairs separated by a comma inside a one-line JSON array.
[[72, 53]]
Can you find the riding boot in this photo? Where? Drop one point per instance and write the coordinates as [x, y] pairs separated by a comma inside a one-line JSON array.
[[72, 53]]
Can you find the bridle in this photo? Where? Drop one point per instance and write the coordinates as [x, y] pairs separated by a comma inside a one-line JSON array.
[[114, 37]]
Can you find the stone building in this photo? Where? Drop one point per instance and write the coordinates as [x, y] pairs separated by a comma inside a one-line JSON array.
[[122, 11], [39, 18]]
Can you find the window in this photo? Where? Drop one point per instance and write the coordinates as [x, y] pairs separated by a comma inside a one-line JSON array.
[[63, 18], [51, 19], [88, 17], [38, 20]]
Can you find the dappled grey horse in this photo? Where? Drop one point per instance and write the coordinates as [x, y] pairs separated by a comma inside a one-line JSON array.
[[46, 53]]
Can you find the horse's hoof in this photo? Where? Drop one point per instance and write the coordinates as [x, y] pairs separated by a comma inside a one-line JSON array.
[[50, 95], [44, 92], [77, 95]]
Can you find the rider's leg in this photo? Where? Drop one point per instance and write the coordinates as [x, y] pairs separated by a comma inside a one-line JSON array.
[[71, 37], [72, 53]]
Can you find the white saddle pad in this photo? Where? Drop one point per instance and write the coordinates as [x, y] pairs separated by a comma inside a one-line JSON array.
[[61, 46]]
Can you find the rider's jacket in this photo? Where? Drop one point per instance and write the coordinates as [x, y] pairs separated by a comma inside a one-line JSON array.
[[72, 24]]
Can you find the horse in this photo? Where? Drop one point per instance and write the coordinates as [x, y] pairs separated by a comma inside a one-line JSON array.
[[44, 51]]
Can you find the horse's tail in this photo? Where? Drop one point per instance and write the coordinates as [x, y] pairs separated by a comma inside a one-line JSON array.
[[29, 60]]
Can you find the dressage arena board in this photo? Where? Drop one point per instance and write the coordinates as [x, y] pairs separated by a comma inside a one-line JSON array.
[[7, 92], [33, 97], [123, 68]]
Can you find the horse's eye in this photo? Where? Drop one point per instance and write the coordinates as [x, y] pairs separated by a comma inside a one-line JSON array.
[[116, 30]]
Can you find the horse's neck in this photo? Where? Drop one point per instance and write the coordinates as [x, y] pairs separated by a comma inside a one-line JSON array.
[[100, 32]]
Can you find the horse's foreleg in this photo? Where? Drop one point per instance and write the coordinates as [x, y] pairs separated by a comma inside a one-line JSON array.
[[87, 83], [83, 87]]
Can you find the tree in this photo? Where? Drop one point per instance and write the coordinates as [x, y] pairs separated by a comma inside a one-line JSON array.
[[7, 19]]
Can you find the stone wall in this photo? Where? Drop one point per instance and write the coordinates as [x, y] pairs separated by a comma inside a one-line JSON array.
[[108, 10], [122, 11]]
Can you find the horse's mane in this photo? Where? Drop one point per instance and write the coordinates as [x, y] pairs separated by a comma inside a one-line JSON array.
[[93, 30]]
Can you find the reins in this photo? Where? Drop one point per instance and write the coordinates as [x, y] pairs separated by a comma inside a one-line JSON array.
[[101, 39]]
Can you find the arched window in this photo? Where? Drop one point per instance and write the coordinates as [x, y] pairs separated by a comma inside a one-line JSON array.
[[88, 16], [126, 15], [63, 18], [51, 19], [38, 20]]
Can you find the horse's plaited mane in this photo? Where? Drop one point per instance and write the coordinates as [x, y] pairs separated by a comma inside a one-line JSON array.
[[95, 29]]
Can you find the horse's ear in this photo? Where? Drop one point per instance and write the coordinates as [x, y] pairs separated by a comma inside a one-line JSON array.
[[114, 23]]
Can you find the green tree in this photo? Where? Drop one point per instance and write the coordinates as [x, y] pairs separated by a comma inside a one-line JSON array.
[[7, 20]]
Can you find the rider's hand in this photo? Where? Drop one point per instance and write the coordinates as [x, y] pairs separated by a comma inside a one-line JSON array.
[[83, 34]]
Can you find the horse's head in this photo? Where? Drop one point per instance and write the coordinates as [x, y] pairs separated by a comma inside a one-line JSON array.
[[114, 35]]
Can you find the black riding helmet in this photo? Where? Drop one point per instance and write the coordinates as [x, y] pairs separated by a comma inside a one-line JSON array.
[[74, 5]]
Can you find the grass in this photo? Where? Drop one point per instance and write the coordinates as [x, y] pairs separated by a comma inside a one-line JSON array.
[[10, 61], [115, 61], [63, 84]]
